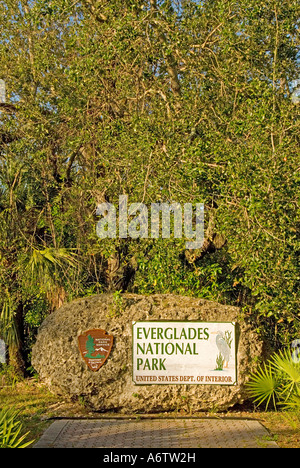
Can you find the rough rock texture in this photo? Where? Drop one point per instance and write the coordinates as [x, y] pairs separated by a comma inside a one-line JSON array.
[[57, 358]]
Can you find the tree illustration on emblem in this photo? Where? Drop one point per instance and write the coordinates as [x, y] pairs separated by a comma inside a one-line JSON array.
[[90, 347]]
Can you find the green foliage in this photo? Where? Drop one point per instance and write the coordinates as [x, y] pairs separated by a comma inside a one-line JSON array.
[[162, 268], [8, 376], [116, 308], [186, 102], [277, 382], [40, 263], [8, 328], [11, 430], [263, 386]]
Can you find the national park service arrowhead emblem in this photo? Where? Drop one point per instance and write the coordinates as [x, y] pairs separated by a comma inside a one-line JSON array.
[[95, 346]]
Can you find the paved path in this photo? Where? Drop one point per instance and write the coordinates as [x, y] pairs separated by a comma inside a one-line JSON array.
[[156, 433]]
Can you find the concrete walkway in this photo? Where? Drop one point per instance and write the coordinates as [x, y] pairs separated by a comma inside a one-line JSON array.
[[156, 433]]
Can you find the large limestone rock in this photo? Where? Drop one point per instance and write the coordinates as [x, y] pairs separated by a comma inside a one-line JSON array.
[[57, 358]]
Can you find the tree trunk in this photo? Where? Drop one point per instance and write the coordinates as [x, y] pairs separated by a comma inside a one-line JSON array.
[[15, 350]]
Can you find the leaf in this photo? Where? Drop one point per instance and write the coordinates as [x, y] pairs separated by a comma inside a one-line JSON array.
[[290, 371], [263, 385], [10, 429]]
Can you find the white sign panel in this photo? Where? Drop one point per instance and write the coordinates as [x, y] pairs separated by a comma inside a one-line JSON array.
[[184, 353]]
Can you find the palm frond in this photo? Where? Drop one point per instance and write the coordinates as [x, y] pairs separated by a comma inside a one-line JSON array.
[[10, 430], [284, 364], [42, 263], [263, 386], [8, 326]]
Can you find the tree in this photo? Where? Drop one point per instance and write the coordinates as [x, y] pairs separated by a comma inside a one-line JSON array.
[[181, 101], [90, 346]]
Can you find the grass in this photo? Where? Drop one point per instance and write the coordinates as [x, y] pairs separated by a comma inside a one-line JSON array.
[[37, 406]]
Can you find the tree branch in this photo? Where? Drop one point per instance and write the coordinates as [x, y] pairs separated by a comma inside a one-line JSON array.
[[171, 62]]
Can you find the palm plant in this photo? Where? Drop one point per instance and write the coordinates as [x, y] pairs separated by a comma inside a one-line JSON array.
[[47, 268], [289, 370], [263, 386], [42, 262], [11, 430], [277, 381], [8, 327]]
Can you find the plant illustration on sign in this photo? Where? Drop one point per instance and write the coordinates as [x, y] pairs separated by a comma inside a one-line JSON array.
[[90, 347], [223, 342], [219, 362]]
